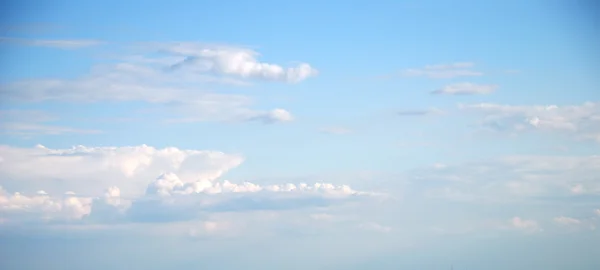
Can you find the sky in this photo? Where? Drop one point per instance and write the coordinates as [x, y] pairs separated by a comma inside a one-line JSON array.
[[299, 135]]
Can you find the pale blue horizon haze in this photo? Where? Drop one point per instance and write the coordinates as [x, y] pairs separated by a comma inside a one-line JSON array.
[[299, 135]]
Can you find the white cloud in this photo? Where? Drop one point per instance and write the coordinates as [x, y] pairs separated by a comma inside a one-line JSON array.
[[187, 184], [47, 208], [60, 44], [577, 189], [423, 112], [177, 78], [120, 84], [169, 183], [443, 71], [91, 169], [567, 221], [169, 199], [273, 116], [575, 224], [372, 226], [439, 166], [582, 121], [336, 130], [322, 217], [466, 88], [240, 62], [597, 211], [112, 196], [27, 123], [525, 225], [208, 228], [512, 178], [29, 130]]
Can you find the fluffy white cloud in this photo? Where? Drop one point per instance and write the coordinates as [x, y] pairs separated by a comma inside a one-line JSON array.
[[87, 170], [43, 206], [187, 185], [443, 71], [169, 183], [582, 121], [466, 89], [525, 225], [240, 62], [169, 199]]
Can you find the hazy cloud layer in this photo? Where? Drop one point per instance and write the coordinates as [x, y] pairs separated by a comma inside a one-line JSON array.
[[580, 121]]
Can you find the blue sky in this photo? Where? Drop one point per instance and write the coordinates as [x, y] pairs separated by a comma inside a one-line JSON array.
[[354, 135]]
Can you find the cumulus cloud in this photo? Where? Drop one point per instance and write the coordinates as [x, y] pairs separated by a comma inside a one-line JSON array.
[[443, 71], [466, 88], [168, 199], [581, 121], [88, 170], [169, 183], [42, 206], [59, 44], [188, 184]]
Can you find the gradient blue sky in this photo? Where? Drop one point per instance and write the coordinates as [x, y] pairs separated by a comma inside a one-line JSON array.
[[299, 135]]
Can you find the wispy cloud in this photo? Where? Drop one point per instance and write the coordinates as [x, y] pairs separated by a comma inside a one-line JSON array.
[[421, 112], [28, 123], [335, 130], [443, 71], [527, 225], [60, 44], [30, 28], [582, 121], [512, 178], [152, 78], [466, 88], [30, 130], [373, 226]]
